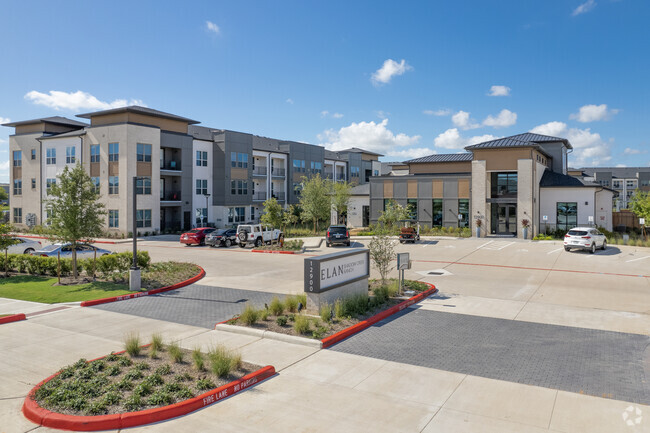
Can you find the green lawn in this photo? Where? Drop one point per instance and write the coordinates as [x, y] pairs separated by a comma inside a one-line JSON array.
[[42, 289]]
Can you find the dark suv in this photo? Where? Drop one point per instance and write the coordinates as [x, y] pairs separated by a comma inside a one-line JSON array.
[[337, 235]]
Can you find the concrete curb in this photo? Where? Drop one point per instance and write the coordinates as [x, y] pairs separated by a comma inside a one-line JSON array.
[[192, 280], [12, 318], [46, 418], [19, 235], [277, 252], [293, 339]]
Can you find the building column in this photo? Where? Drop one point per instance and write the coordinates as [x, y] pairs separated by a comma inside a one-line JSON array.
[[479, 205]]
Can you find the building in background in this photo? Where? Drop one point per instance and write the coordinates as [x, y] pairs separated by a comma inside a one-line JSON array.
[[623, 180]]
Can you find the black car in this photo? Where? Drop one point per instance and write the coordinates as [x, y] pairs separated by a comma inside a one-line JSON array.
[[221, 238], [337, 235]]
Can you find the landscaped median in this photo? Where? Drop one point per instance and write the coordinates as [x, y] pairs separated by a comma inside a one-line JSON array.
[[287, 247], [134, 387], [335, 323]]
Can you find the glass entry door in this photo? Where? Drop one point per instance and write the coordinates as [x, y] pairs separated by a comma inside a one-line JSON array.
[[506, 219]]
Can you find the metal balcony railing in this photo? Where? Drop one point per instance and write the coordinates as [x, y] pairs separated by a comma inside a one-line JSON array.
[[171, 196], [259, 196], [259, 171], [171, 165], [278, 172], [278, 196]]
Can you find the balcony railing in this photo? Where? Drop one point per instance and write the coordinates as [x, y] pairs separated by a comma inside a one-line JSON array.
[[171, 196], [171, 165], [259, 171], [279, 196], [278, 172], [259, 196], [329, 174]]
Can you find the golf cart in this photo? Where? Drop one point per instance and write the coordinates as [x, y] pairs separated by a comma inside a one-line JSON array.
[[410, 231]]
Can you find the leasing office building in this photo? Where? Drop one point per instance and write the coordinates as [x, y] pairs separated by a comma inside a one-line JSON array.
[[188, 175], [499, 182]]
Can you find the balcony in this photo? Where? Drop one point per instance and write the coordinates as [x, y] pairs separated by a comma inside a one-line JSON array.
[[340, 177], [259, 196], [170, 197], [278, 172], [329, 174], [259, 171], [279, 196]]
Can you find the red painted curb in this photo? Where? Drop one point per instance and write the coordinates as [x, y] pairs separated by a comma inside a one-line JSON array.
[[12, 318], [19, 235], [192, 280], [276, 252], [46, 418], [225, 321], [347, 332]]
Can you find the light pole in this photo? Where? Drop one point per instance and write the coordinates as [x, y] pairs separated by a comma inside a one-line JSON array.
[[207, 206], [134, 272]]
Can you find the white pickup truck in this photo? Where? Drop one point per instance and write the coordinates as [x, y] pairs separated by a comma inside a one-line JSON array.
[[256, 235]]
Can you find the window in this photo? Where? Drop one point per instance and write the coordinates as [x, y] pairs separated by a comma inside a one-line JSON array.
[[604, 182], [201, 215], [252, 213], [144, 152], [504, 184], [354, 171], [463, 213], [298, 166], [70, 155], [567, 215], [33, 183], [96, 184], [143, 218], [201, 158], [645, 182], [297, 188], [18, 186], [412, 208], [18, 215], [143, 185], [437, 212], [386, 202], [238, 160], [630, 183], [239, 187], [317, 167], [18, 158], [202, 186], [236, 214], [113, 185], [94, 153], [33, 153], [375, 173], [617, 184], [113, 152], [50, 156], [48, 184], [113, 218]]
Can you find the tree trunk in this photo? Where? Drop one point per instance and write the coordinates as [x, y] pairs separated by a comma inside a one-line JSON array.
[[74, 261], [6, 262]]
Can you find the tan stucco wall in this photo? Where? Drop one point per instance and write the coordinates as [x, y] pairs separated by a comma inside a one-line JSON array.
[[525, 191], [502, 159], [479, 194], [29, 201], [164, 124]]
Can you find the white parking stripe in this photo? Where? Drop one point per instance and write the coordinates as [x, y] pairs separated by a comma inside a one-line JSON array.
[[555, 251], [481, 246], [640, 258]]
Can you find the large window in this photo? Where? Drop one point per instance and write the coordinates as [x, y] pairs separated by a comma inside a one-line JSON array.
[[143, 185], [18, 186], [143, 218], [94, 153], [354, 171], [50, 156], [463, 212], [113, 152], [70, 157], [297, 189], [238, 160], [298, 166], [18, 215], [201, 158], [48, 184], [236, 214], [437, 212], [504, 184], [567, 215], [202, 186], [239, 187], [18, 158], [113, 218], [617, 184], [412, 208], [113, 185], [144, 152], [316, 167], [201, 216], [96, 183]]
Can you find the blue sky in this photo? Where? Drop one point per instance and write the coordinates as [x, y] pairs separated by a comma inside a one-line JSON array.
[[404, 79]]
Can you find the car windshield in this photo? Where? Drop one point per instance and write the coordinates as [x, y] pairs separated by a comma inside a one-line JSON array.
[[51, 247], [577, 233], [221, 232], [338, 230], [194, 231]]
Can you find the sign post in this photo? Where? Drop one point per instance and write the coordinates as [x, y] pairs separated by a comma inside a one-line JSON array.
[[403, 263]]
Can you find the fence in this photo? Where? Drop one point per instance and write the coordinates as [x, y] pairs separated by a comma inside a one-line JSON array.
[[625, 219]]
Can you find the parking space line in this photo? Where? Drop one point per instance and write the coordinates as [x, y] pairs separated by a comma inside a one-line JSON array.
[[554, 251], [640, 258], [481, 246]]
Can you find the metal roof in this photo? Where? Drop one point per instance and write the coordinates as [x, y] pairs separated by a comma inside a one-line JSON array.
[[58, 120], [554, 179], [76, 133], [617, 172], [442, 157], [140, 110], [359, 150], [527, 139]]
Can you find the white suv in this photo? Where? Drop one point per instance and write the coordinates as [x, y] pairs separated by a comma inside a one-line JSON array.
[[585, 238], [257, 235]]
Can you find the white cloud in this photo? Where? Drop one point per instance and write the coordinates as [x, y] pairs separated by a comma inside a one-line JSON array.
[[441, 112], [212, 27], [499, 91], [463, 121], [621, 165], [372, 136], [4, 120], [584, 8], [504, 119], [406, 154], [589, 149], [289, 101], [389, 69], [630, 151], [451, 139], [593, 113], [76, 101], [337, 115], [326, 113], [382, 114]]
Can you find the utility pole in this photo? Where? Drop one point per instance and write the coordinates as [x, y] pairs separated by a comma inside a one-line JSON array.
[[135, 281]]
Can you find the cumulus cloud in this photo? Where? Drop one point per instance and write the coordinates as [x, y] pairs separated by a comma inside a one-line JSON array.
[[499, 91], [389, 69], [584, 8], [4, 120], [441, 112], [212, 27], [372, 136], [76, 101], [630, 151], [326, 113], [451, 139], [382, 114], [289, 101], [593, 113], [589, 148], [504, 119], [406, 154], [463, 121]]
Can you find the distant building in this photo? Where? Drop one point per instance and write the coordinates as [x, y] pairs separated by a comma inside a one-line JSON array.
[[623, 180]]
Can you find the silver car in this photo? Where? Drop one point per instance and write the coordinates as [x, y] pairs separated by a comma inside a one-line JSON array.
[[585, 238], [84, 251], [24, 246]]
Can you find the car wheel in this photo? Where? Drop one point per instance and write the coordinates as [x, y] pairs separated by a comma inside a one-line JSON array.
[[604, 245], [227, 244], [593, 248], [348, 244], [28, 251], [258, 242], [567, 249], [401, 241], [242, 245]]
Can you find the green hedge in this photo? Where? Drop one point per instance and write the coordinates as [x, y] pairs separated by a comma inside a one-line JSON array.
[[105, 265]]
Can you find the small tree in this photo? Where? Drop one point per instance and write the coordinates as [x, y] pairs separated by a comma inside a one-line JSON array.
[[75, 211], [394, 212], [289, 217], [272, 215], [340, 198], [640, 205], [6, 241], [382, 254], [3, 194], [315, 200]]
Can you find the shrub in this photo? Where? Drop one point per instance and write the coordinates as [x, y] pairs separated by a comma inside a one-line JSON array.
[[113, 370], [355, 305], [325, 312], [223, 361], [134, 374], [264, 314], [184, 393], [160, 398], [164, 369], [250, 315], [175, 352], [302, 324], [291, 303], [293, 245], [143, 389], [197, 357], [281, 320], [124, 362], [338, 309], [203, 384], [276, 307], [381, 294], [319, 333], [132, 344], [111, 398], [156, 378], [141, 366], [302, 298], [418, 286], [156, 342], [133, 403]]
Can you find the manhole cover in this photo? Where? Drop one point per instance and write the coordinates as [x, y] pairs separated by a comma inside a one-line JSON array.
[[435, 273]]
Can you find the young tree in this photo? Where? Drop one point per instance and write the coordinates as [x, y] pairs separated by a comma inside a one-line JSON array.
[[272, 215], [75, 211], [315, 200], [382, 254], [640, 205], [340, 198], [290, 216], [3, 194], [394, 212], [6, 241]]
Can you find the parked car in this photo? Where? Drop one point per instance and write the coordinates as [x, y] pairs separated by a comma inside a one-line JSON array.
[[337, 235], [196, 236], [84, 251], [24, 246], [222, 238], [585, 238], [256, 235]]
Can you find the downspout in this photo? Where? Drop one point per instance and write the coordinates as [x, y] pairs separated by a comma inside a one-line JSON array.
[[40, 178]]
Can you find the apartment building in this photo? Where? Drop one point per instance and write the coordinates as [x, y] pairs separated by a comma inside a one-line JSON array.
[[187, 175], [499, 182], [623, 180]]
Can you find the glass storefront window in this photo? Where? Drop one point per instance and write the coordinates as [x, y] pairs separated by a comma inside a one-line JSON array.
[[437, 212], [567, 215]]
